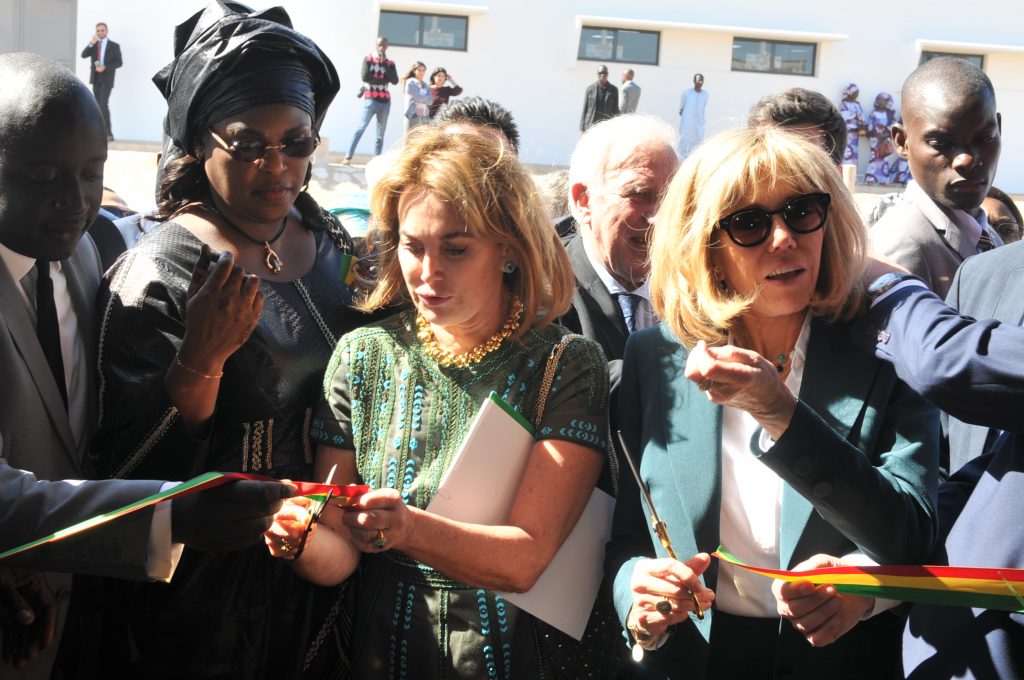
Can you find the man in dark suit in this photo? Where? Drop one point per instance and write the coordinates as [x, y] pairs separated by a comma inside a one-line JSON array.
[[600, 101], [616, 176], [950, 136], [105, 58], [972, 370]]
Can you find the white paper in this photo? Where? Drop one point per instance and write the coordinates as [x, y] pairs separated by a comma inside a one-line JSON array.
[[565, 593], [484, 477], [480, 486]]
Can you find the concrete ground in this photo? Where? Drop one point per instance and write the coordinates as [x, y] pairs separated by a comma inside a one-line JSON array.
[[131, 172]]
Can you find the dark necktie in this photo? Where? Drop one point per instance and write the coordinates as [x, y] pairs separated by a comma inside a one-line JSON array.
[[47, 326], [628, 302], [985, 242]]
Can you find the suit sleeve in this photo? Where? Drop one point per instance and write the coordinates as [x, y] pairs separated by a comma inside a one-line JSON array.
[[88, 52], [586, 104], [945, 356], [34, 509], [898, 472], [115, 61]]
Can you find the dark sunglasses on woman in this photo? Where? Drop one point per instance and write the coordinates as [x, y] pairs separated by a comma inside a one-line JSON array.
[[249, 152], [803, 214]]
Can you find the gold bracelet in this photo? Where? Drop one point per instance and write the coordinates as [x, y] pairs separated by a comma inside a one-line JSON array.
[[179, 362]]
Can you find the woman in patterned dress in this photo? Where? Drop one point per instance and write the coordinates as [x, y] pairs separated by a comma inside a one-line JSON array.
[[208, 367], [461, 237]]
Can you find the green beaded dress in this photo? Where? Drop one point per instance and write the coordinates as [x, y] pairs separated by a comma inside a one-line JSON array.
[[405, 416]]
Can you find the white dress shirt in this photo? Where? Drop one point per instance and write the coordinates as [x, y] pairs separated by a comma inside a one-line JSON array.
[[644, 317]]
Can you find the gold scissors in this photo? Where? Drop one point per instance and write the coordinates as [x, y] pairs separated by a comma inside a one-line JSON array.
[[660, 528]]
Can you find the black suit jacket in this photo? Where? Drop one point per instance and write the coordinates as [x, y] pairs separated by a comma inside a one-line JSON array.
[[595, 312], [112, 60]]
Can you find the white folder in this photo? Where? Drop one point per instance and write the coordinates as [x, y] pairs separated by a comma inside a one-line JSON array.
[[481, 484]]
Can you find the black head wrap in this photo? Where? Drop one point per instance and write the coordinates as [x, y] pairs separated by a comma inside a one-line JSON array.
[[229, 59]]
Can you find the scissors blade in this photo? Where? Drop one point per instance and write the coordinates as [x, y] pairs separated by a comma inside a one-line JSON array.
[[323, 504], [636, 475]]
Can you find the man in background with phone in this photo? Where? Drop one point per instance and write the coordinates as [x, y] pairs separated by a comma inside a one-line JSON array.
[[105, 56]]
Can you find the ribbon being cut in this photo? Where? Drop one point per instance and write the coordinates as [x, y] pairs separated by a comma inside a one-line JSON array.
[[977, 587], [344, 496]]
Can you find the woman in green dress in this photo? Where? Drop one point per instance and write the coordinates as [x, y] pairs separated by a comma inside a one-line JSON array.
[[460, 236]]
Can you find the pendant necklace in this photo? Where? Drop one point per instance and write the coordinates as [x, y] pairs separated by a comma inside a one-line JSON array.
[[781, 359], [272, 260]]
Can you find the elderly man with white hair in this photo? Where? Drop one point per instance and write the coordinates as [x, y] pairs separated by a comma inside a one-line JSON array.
[[616, 176]]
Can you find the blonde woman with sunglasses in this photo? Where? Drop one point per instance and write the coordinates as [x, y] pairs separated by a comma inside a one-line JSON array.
[[215, 333], [761, 426]]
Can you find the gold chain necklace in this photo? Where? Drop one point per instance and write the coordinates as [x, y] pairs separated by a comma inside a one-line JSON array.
[[445, 358]]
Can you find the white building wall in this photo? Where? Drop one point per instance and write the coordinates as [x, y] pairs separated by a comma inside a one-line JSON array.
[[522, 53]]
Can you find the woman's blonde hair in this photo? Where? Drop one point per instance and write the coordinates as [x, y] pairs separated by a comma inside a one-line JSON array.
[[719, 177], [481, 179]]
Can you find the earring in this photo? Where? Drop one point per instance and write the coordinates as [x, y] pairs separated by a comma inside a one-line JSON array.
[[508, 267], [720, 280]]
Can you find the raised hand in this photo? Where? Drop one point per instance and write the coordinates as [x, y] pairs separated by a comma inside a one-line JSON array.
[[224, 306], [743, 379]]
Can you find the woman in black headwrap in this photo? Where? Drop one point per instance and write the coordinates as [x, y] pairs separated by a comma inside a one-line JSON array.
[[214, 362]]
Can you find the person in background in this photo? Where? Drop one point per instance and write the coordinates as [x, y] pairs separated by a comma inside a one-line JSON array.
[[759, 425], [466, 249], [484, 112], [600, 101], [442, 88], [417, 96], [1003, 215], [951, 138], [883, 167], [227, 378], [629, 93], [104, 57], [692, 106], [853, 116], [807, 113], [377, 73]]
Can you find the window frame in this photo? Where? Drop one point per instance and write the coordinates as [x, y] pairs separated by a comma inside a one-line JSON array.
[[958, 55], [771, 61], [422, 17], [615, 41]]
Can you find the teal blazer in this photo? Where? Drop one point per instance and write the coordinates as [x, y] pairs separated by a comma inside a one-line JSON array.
[[859, 461]]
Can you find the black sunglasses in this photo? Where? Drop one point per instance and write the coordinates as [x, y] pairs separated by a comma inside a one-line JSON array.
[[803, 214], [249, 152]]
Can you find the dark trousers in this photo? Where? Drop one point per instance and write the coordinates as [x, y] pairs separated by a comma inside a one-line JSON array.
[[101, 88]]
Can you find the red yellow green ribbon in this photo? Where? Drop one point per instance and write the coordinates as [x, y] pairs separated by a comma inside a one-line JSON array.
[[345, 494], [979, 587]]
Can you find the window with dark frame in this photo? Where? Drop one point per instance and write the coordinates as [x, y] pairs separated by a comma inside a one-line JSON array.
[[976, 59], [773, 56], [433, 31], [619, 44]]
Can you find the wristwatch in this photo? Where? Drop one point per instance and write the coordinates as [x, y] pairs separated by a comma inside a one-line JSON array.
[[886, 282]]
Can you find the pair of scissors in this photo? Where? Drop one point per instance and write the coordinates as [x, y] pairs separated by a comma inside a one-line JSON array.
[[316, 510]]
